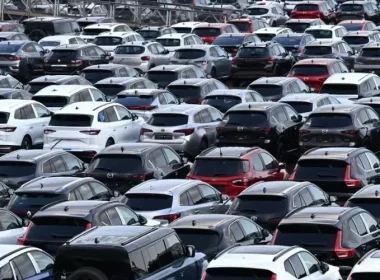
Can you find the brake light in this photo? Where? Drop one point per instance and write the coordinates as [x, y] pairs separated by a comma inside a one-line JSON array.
[[350, 132], [350, 183], [8, 129], [144, 130], [186, 131], [145, 108], [304, 131], [88, 226], [291, 178], [77, 62], [48, 131], [204, 275], [14, 58], [274, 237], [234, 60], [274, 277], [142, 177], [170, 217], [342, 253], [22, 239], [275, 220], [270, 59], [219, 128], [145, 58], [90, 132]]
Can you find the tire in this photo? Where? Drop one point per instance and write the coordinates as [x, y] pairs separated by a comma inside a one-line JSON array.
[[26, 143], [87, 273], [280, 151], [203, 145], [110, 142], [213, 73]]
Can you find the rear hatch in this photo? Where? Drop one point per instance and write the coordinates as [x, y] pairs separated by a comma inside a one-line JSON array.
[[138, 104], [187, 93], [162, 78], [306, 11], [89, 34], [302, 107], [8, 54], [317, 52], [350, 11], [252, 58], [222, 102], [369, 204], [108, 43], [234, 273], [61, 58], [15, 173], [269, 92], [341, 91], [52, 102], [291, 43], [356, 42], [189, 56], [312, 75], [95, 75], [208, 34], [110, 90], [129, 55], [149, 204]]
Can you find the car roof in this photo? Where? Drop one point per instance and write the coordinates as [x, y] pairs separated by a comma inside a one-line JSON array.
[[78, 208], [205, 221], [85, 107], [174, 36], [129, 148], [118, 80], [52, 78], [48, 184], [291, 35], [338, 108], [57, 37], [271, 188], [303, 97], [192, 82], [8, 249], [103, 25], [183, 108], [212, 25], [348, 78], [103, 66], [325, 26], [254, 106], [186, 24], [61, 90], [316, 61], [338, 153], [270, 30], [9, 103], [44, 19], [368, 100], [165, 186], [223, 152], [139, 92], [29, 155], [325, 42], [370, 191]]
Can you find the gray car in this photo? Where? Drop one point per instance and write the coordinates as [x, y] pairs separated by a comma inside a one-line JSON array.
[[170, 199], [213, 59], [187, 128], [13, 36], [358, 39]]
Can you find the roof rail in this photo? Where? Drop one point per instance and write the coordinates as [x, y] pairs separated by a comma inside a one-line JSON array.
[[138, 236], [295, 211], [283, 252], [249, 150], [51, 204], [208, 150], [227, 249], [366, 255], [79, 235]]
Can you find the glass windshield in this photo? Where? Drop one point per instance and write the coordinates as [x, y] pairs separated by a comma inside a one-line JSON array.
[[49, 43], [267, 90], [168, 119], [288, 41], [183, 91], [52, 101], [76, 120], [352, 26], [301, 107], [228, 41], [110, 90], [329, 120], [370, 52], [148, 201], [94, 76], [371, 205], [169, 42], [343, 89], [318, 50], [320, 33], [320, 169], [297, 26], [356, 40], [242, 26], [260, 204], [350, 8], [94, 31], [309, 70], [306, 7], [149, 34], [156, 76], [131, 101], [252, 52], [202, 240], [218, 167], [129, 50], [246, 119], [189, 54], [65, 54], [257, 11], [183, 29], [265, 37], [207, 32], [4, 116], [108, 41], [9, 48], [117, 164], [16, 169], [36, 87], [24, 199], [233, 273], [222, 100]]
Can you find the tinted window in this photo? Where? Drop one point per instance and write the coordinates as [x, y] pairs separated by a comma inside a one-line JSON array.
[[297, 26], [207, 31], [300, 107], [309, 70], [135, 101], [63, 54], [371, 205], [247, 119], [117, 164], [218, 167], [129, 50], [320, 169], [44, 262], [203, 240], [237, 232], [25, 266], [232, 273], [298, 266], [148, 202], [260, 204], [231, 40], [35, 87], [356, 40], [252, 52], [6, 272], [267, 90], [306, 7], [189, 54], [52, 101], [365, 275], [109, 89], [24, 199], [16, 169], [169, 42], [156, 76], [149, 34], [329, 120], [185, 92], [96, 75], [4, 117], [351, 8], [9, 48], [288, 41], [339, 88], [174, 248], [317, 50], [94, 31], [370, 52], [320, 33], [257, 11], [71, 120], [168, 119]]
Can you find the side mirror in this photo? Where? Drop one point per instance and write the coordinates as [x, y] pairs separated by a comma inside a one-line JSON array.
[[11, 192], [25, 222], [265, 233], [324, 267], [142, 220], [190, 251], [257, 240], [134, 117], [333, 199], [185, 160], [116, 193], [51, 113]]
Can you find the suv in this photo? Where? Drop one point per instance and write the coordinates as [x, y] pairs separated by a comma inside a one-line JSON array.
[[346, 234], [232, 169], [270, 12], [109, 41], [301, 24], [358, 39], [91, 31], [267, 34], [338, 171], [153, 32], [128, 253], [294, 43], [313, 9], [41, 82], [366, 198], [209, 31], [358, 25], [269, 202], [358, 10], [366, 267], [368, 59], [247, 25], [327, 33], [231, 42]]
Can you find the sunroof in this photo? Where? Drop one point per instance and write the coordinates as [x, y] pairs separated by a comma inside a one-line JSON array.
[[376, 255], [261, 250]]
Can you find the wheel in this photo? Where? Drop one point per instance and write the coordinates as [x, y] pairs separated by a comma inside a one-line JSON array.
[[280, 151], [110, 142], [203, 146], [26, 143], [213, 73], [88, 273]]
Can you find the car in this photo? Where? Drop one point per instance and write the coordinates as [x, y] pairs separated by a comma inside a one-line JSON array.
[[267, 34], [91, 31], [225, 99], [313, 9], [315, 71], [366, 266], [171, 199], [35, 163], [301, 24], [185, 27], [86, 128], [153, 32], [269, 262], [13, 36], [142, 56], [358, 39], [230, 169], [5, 194], [231, 42], [26, 261], [294, 43], [212, 59], [269, 202], [10, 93], [74, 217], [373, 102], [338, 171], [213, 233], [129, 247], [272, 14], [274, 88], [83, 22], [57, 96], [247, 25], [173, 41], [109, 41], [358, 25], [353, 10], [346, 234], [327, 33], [209, 31], [368, 59], [8, 82], [187, 128], [11, 26], [95, 73], [43, 81], [72, 59], [41, 191], [366, 198], [50, 42], [145, 102], [11, 227]]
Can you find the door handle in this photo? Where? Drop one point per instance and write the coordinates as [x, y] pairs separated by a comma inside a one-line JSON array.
[[196, 211], [161, 174], [212, 208]]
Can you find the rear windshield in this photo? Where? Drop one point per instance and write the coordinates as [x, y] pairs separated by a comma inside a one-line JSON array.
[[257, 11], [157, 76], [71, 120], [252, 52], [260, 204], [308, 236], [318, 50], [229, 41], [52, 101], [344, 89], [267, 90], [169, 42], [242, 26], [110, 90], [301, 107], [94, 76], [192, 92], [94, 31], [49, 43], [117, 164], [288, 41], [83, 24], [247, 119], [129, 50], [25, 199], [306, 7], [9, 48], [108, 41], [233, 273], [320, 34], [132, 101], [353, 26], [202, 240], [265, 37], [183, 29], [189, 54], [4, 117], [16, 169], [64, 54], [370, 52], [356, 40], [365, 275], [297, 26], [350, 8], [149, 34], [207, 31], [219, 167], [309, 70], [329, 120], [60, 228], [318, 169], [222, 100], [168, 119], [371, 205], [36, 87], [148, 201]]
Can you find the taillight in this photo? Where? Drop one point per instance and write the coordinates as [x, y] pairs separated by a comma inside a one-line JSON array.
[[88, 226], [14, 58], [77, 62], [145, 58], [351, 183], [90, 132], [274, 277], [186, 131], [350, 132], [110, 58], [342, 253], [142, 177], [275, 220], [265, 130], [48, 131], [291, 178], [170, 217], [303, 131], [270, 59], [145, 108], [204, 275], [22, 239], [219, 128], [144, 130], [8, 129], [274, 237]]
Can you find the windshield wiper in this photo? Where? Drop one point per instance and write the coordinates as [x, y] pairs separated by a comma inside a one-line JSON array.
[[102, 168]]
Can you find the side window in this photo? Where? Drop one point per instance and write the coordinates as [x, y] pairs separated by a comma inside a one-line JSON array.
[[317, 193], [248, 97], [237, 232], [91, 51], [289, 269], [373, 160], [305, 194], [372, 84], [269, 161], [152, 258], [257, 163], [216, 116], [98, 189], [159, 158], [312, 264], [41, 111], [85, 95], [20, 114], [8, 221], [46, 167], [138, 265], [6, 272], [72, 41], [123, 113], [372, 115], [363, 117], [298, 266], [110, 111], [44, 262], [97, 95], [170, 98], [370, 221], [205, 116], [197, 118], [362, 158], [250, 229], [171, 157], [195, 195], [114, 217], [291, 113], [29, 112], [58, 164], [104, 220], [71, 162], [280, 114], [24, 265], [85, 192], [128, 217], [213, 52], [72, 196], [208, 193], [184, 200], [161, 98], [359, 224], [174, 248]]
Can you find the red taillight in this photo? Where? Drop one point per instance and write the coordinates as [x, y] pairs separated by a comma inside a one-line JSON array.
[[48, 131], [219, 128], [77, 62], [142, 177], [274, 277], [350, 278], [186, 131], [291, 178], [88, 226], [350, 132], [144, 130], [145, 108], [274, 237], [204, 275], [241, 182], [8, 129], [271, 59], [170, 217], [22, 239], [275, 220], [303, 131], [145, 58], [351, 183], [14, 58], [91, 132], [342, 253]]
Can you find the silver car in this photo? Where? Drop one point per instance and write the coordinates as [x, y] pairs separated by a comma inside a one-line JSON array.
[[213, 59], [358, 39], [12, 228], [170, 199], [187, 128]]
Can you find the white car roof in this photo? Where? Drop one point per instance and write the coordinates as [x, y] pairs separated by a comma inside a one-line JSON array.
[[304, 97], [58, 37], [62, 90], [116, 34], [174, 36], [348, 78], [271, 30], [8, 104], [186, 24], [369, 263], [86, 107], [6, 249]]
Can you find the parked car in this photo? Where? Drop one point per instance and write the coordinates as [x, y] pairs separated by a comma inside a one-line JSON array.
[[11, 227], [41, 82]]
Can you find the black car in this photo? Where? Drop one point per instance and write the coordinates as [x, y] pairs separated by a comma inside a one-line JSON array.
[[41, 82], [358, 10], [341, 125], [21, 166], [275, 88], [301, 24], [59, 221], [337, 235], [269, 202], [213, 233], [35, 194], [269, 125], [72, 59], [260, 59], [373, 102], [10, 93], [95, 73], [368, 59], [231, 42], [338, 171], [153, 32], [368, 199], [5, 194], [122, 166], [294, 42]]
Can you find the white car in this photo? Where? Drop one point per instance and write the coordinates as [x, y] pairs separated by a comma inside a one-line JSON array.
[[86, 128], [269, 262], [56, 96], [8, 81], [367, 267], [22, 124], [268, 33], [11, 227], [108, 41], [173, 41], [91, 31], [50, 42], [185, 27], [327, 33]]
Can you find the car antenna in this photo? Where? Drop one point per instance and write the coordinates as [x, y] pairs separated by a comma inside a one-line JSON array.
[[66, 208], [220, 151], [312, 216], [18, 156], [264, 190], [122, 149], [326, 153], [42, 185], [249, 106]]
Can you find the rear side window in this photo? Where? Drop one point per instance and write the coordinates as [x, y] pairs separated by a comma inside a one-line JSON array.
[[168, 119], [329, 120], [320, 169], [148, 202], [75, 120], [317, 50]]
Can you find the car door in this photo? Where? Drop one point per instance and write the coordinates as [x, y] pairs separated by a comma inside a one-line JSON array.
[[270, 167], [200, 206], [24, 268], [130, 125], [11, 227], [42, 120], [31, 123], [163, 56], [176, 167], [225, 62]]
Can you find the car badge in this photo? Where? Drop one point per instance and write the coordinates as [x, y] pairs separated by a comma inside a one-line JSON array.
[[162, 130], [59, 60], [110, 175], [213, 179], [324, 131], [5, 181], [240, 128]]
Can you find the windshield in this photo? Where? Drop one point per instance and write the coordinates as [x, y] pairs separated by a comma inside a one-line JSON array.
[[9, 48], [110, 90], [4, 116], [52, 101], [257, 11], [207, 32], [129, 50], [168, 119], [246, 119], [94, 31], [267, 90], [16, 169], [169, 42], [233, 273], [49, 43], [317, 50], [371, 205], [356, 40], [252, 52], [288, 41], [265, 37], [76, 120], [202, 240], [344, 89], [329, 120], [159, 76], [242, 26], [34, 199], [117, 164], [149, 34], [65, 54], [301, 107], [370, 52], [228, 41], [220, 167], [309, 70], [318, 169], [36, 87], [94, 76], [320, 33], [148, 201], [131, 101], [351, 8], [352, 26], [260, 204], [306, 7], [189, 54], [297, 26], [108, 41], [183, 29]]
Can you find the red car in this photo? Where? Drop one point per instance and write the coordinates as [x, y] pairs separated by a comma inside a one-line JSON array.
[[315, 71], [209, 31], [246, 25], [232, 169], [313, 9], [358, 25]]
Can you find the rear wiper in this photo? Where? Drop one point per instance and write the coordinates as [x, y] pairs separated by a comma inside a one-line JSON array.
[[249, 210], [326, 176], [102, 168], [313, 244]]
